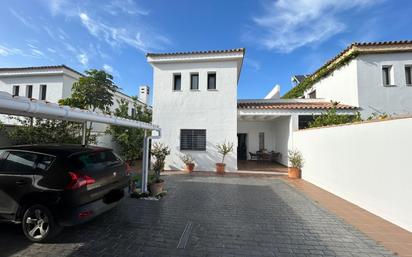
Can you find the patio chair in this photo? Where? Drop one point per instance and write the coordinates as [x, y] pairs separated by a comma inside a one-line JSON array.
[[253, 156]]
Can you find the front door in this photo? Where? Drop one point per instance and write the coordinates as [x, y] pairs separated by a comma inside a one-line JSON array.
[[241, 146]]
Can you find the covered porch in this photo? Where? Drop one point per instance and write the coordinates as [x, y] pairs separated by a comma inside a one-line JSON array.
[[265, 129]]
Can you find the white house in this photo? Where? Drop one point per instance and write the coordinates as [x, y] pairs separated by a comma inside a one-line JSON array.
[[195, 103], [52, 83], [376, 79]]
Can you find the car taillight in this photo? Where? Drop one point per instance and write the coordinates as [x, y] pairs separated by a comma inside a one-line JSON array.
[[78, 180]]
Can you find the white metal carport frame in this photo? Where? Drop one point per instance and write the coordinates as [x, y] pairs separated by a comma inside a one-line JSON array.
[[23, 106]]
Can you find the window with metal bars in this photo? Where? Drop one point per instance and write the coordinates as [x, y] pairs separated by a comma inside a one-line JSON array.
[[193, 139]]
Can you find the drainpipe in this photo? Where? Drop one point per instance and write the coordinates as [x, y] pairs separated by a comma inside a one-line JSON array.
[[146, 161]]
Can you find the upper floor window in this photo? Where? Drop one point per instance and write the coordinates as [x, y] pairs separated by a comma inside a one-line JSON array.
[[177, 82], [194, 81], [211, 81], [16, 90], [29, 91], [43, 92], [193, 139], [387, 75], [408, 75]]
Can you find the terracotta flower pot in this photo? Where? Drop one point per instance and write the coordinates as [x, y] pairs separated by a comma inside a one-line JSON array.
[[294, 172], [220, 168], [190, 167], [156, 188]]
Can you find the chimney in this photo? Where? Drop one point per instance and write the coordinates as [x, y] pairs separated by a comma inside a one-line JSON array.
[[144, 93], [274, 94]]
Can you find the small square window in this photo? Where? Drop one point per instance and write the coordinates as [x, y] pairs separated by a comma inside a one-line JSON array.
[[177, 82], [16, 90], [211, 81], [194, 81]]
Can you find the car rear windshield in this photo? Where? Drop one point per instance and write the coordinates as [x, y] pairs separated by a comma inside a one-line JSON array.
[[94, 160]]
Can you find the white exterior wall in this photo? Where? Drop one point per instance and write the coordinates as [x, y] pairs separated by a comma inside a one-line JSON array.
[[54, 85], [373, 96], [339, 86], [213, 110], [366, 164]]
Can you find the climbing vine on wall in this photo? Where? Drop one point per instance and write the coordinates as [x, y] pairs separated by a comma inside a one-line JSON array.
[[323, 72]]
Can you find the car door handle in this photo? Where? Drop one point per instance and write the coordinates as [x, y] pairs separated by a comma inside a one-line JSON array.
[[21, 182]]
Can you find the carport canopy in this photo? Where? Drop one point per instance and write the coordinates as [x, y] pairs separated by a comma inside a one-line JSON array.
[[23, 106]]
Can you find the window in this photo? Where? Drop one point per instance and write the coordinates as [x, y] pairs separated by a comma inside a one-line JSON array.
[[386, 75], [16, 90], [29, 91], [193, 139], [43, 92], [19, 162], [44, 162], [408, 75], [211, 81], [177, 81], [194, 81], [312, 94], [133, 112], [94, 161], [261, 141]]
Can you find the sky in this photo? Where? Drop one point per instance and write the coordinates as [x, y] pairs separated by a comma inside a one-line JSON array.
[[281, 37]]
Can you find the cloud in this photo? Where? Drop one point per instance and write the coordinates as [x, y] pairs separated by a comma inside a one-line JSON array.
[[25, 21], [83, 59], [6, 51], [108, 68], [118, 36], [117, 7], [288, 25]]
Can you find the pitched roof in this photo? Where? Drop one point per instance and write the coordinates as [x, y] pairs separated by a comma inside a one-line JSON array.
[[234, 50], [292, 105], [365, 48], [42, 68]]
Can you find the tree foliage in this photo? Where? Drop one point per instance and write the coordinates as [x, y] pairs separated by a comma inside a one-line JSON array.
[[44, 131], [93, 92], [331, 117], [130, 140], [323, 72]]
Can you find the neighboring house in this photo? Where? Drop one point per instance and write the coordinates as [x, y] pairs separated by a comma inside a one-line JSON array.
[[376, 77], [195, 104], [52, 83]]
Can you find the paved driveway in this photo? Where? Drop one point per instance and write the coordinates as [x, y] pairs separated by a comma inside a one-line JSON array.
[[207, 216]]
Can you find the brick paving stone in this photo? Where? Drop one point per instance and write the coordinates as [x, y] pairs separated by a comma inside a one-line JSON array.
[[230, 216]]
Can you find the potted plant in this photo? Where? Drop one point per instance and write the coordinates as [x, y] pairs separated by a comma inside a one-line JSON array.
[[224, 149], [188, 160], [159, 152], [296, 164]]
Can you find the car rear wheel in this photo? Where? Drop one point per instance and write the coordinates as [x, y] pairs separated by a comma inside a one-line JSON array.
[[39, 224]]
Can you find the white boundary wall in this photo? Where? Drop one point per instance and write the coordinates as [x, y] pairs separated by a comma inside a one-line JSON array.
[[368, 164]]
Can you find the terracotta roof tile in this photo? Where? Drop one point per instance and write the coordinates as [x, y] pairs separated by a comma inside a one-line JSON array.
[[293, 106], [235, 50]]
